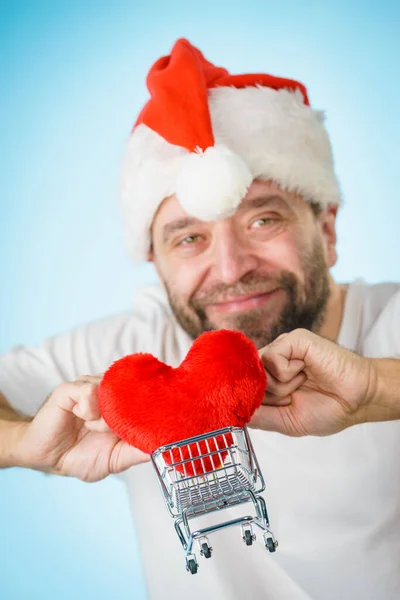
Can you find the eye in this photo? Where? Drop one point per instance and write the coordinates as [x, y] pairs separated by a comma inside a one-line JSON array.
[[188, 240], [263, 221]]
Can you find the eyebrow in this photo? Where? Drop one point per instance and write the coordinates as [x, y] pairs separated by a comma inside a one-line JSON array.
[[177, 225], [262, 201]]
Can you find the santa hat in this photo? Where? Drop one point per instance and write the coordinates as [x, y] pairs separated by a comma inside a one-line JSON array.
[[205, 135]]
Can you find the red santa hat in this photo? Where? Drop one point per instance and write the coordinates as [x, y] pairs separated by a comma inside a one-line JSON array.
[[205, 135]]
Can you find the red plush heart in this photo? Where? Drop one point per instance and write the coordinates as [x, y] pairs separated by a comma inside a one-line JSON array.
[[149, 404]]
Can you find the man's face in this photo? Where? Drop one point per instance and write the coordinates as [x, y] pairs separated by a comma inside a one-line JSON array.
[[263, 271]]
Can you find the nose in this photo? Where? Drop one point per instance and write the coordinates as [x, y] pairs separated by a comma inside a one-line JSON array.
[[232, 257]]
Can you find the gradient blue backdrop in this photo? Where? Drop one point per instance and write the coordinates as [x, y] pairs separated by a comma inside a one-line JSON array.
[[72, 79]]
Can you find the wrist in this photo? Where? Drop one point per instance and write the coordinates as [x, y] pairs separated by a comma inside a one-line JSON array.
[[382, 401], [11, 434]]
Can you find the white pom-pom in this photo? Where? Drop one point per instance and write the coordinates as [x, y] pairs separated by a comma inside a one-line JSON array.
[[211, 184]]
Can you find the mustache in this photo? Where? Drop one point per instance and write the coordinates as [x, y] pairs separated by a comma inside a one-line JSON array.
[[253, 284]]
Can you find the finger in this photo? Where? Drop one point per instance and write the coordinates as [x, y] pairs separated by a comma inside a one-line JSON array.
[[279, 358], [277, 389], [98, 425], [66, 395], [280, 367], [77, 398], [89, 378], [276, 400], [87, 405]]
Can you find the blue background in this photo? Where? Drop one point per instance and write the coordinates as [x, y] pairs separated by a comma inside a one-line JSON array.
[[72, 83]]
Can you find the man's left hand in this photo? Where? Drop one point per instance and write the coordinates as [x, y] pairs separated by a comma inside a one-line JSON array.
[[315, 387]]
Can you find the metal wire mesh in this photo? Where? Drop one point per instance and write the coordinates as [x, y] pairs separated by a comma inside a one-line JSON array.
[[207, 472]]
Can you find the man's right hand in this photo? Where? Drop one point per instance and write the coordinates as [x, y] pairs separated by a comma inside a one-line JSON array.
[[69, 437]]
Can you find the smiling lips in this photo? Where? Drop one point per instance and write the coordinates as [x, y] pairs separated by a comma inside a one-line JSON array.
[[244, 302]]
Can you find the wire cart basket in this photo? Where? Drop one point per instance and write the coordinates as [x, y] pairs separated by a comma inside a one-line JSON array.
[[208, 473]]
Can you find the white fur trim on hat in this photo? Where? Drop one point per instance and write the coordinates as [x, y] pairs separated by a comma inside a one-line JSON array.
[[211, 184], [259, 132]]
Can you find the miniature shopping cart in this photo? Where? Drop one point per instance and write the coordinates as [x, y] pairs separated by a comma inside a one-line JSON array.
[[208, 473]]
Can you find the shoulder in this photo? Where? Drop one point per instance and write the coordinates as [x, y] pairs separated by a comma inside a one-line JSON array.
[[382, 320], [148, 326], [379, 294], [150, 301], [138, 329]]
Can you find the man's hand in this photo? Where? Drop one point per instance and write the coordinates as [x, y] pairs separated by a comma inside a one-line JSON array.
[[315, 387], [68, 436]]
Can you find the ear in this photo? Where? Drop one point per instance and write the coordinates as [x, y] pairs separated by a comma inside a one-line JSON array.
[[327, 220]]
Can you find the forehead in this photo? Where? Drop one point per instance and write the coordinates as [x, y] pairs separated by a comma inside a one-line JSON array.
[[170, 209]]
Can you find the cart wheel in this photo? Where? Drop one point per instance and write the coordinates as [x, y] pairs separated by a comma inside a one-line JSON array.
[[270, 545], [206, 550], [248, 538], [192, 566]]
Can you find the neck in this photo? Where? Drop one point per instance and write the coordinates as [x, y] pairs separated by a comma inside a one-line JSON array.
[[334, 311]]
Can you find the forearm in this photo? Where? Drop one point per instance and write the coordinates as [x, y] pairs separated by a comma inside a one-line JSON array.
[[383, 402], [12, 424], [11, 427]]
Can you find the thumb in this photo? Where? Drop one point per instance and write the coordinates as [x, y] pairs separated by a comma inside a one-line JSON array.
[[276, 418], [125, 456]]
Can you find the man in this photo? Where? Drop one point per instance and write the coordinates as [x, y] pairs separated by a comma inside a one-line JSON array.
[[229, 189]]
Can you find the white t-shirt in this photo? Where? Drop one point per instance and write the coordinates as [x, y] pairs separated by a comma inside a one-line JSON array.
[[333, 502]]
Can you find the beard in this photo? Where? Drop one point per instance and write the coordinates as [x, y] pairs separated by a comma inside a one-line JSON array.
[[305, 304]]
